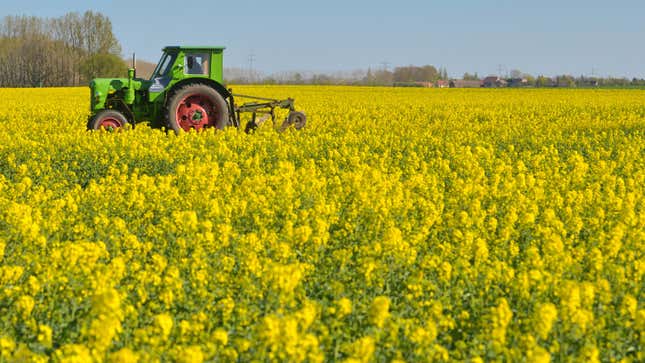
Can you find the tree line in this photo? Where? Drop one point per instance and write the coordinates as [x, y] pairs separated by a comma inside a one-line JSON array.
[[65, 51], [380, 77], [419, 76]]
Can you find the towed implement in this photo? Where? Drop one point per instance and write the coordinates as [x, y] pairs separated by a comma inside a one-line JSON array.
[[185, 92]]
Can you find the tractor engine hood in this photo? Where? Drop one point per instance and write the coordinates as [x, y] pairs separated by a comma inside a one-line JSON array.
[[124, 88]]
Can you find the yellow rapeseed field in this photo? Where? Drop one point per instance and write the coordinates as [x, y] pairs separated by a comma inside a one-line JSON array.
[[401, 225]]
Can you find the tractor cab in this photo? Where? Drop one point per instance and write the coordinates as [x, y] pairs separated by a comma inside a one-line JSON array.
[[180, 63], [185, 92]]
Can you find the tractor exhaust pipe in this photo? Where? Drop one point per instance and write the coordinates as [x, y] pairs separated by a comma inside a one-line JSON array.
[[134, 64], [129, 95]]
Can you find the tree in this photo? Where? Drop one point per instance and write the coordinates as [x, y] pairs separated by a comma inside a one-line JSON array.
[[383, 78], [64, 51], [542, 81], [426, 73], [470, 77], [443, 73], [369, 78], [103, 65], [565, 81]]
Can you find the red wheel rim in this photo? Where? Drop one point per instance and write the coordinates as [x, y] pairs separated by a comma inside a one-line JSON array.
[[110, 123], [196, 112]]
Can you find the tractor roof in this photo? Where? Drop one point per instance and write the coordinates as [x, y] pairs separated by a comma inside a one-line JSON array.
[[191, 47]]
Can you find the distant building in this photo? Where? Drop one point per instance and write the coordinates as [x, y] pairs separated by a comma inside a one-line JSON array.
[[460, 83], [493, 82], [517, 82], [442, 84]]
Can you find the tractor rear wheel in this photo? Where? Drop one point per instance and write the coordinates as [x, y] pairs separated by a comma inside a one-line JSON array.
[[109, 120], [196, 106]]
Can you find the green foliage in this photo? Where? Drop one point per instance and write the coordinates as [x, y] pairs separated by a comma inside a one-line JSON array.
[[104, 66]]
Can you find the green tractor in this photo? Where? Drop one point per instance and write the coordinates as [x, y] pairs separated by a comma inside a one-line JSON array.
[[185, 92]]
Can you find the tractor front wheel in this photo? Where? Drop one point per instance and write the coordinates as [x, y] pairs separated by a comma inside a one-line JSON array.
[[109, 120], [196, 106]]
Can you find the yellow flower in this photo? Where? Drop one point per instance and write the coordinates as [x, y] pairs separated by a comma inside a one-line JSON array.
[[220, 336], [538, 355], [23, 354], [192, 354], [164, 323], [73, 353], [25, 305], [106, 303], [591, 354], [344, 307], [629, 306], [7, 346], [545, 315], [379, 310], [501, 316], [362, 350], [124, 355], [45, 335]]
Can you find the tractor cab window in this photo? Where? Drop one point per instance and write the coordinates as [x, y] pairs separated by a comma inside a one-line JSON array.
[[163, 66], [197, 63]]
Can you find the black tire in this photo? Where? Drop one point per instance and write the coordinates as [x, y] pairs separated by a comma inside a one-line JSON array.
[[216, 107], [110, 120], [297, 119]]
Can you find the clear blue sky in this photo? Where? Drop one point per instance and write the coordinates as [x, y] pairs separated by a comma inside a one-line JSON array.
[[539, 37]]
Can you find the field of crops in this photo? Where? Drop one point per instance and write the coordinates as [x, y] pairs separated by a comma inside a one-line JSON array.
[[400, 225]]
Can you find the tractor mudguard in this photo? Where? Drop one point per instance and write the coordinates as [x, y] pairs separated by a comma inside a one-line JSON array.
[[198, 80]]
